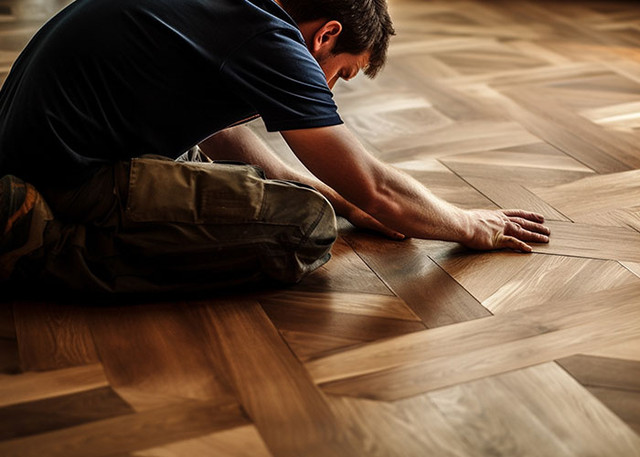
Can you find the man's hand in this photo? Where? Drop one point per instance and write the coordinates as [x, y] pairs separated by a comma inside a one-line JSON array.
[[401, 203], [497, 229]]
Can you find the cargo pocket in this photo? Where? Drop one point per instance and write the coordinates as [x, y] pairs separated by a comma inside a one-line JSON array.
[[194, 193]]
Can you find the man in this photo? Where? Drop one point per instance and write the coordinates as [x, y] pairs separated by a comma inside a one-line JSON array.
[[109, 91]]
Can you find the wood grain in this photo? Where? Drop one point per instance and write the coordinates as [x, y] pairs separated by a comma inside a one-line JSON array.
[[441, 357], [348, 273], [508, 282], [414, 348], [9, 355], [493, 413], [593, 146], [291, 414], [410, 428], [591, 241], [243, 441], [155, 348], [514, 195], [60, 412], [419, 281], [35, 386], [128, 433], [607, 192], [496, 420], [52, 336]]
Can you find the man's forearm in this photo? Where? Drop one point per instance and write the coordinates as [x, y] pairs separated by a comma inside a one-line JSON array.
[[242, 144], [400, 202]]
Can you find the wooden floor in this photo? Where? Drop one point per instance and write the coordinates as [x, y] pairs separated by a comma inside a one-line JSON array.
[[414, 348]]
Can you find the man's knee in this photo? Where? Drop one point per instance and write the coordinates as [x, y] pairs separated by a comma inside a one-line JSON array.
[[308, 228]]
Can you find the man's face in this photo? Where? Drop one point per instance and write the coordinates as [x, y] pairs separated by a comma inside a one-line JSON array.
[[343, 65]]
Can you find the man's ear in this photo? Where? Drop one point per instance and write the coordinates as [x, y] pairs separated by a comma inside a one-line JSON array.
[[325, 38]]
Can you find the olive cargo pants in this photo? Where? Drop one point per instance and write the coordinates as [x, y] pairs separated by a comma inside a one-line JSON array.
[[153, 225]]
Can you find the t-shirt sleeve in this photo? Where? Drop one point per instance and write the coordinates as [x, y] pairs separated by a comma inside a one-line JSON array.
[[276, 74]]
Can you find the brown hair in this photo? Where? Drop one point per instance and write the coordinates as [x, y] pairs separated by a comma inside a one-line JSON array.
[[366, 25]]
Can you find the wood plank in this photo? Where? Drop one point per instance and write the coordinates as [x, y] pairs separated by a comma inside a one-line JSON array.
[[565, 69], [534, 155], [630, 69], [622, 403], [291, 414], [361, 327], [508, 195], [423, 361], [626, 217], [142, 401], [360, 304], [494, 419], [60, 412], [243, 441], [346, 272], [431, 293], [519, 174], [157, 348], [559, 278], [613, 199], [402, 71], [314, 324], [130, 432], [508, 281], [9, 355], [36, 386], [308, 346], [350, 327], [579, 138], [460, 138], [624, 116], [563, 418], [409, 428], [489, 104], [594, 92], [633, 267], [603, 372], [385, 115], [606, 192], [489, 59], [450, 187], [482, 274], [628, 350], [597, 242], [52, 336]]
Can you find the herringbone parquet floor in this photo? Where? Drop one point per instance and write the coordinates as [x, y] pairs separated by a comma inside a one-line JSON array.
[[414, 348]]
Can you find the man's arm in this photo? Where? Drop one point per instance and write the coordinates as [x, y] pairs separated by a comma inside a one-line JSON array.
[[337, 158], [241, 144]]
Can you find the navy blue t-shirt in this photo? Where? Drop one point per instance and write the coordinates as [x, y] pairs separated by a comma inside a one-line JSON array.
[[107, 80]]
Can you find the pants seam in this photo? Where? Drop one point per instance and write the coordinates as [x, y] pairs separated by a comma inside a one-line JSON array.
[[313, 226]]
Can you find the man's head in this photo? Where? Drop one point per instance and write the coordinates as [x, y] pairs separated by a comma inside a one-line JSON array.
[[359, 28]]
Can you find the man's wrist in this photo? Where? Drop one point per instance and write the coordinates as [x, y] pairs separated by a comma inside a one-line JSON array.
[[463, 226]]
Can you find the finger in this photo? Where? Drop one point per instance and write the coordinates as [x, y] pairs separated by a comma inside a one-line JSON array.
[[515, 244], [392, 234], [536, 217], [514, 229], [531, 226], [373, 224], [386, 231]]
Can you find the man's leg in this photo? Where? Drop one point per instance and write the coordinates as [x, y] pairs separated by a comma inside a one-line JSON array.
[[23, 218], [166, 226]]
